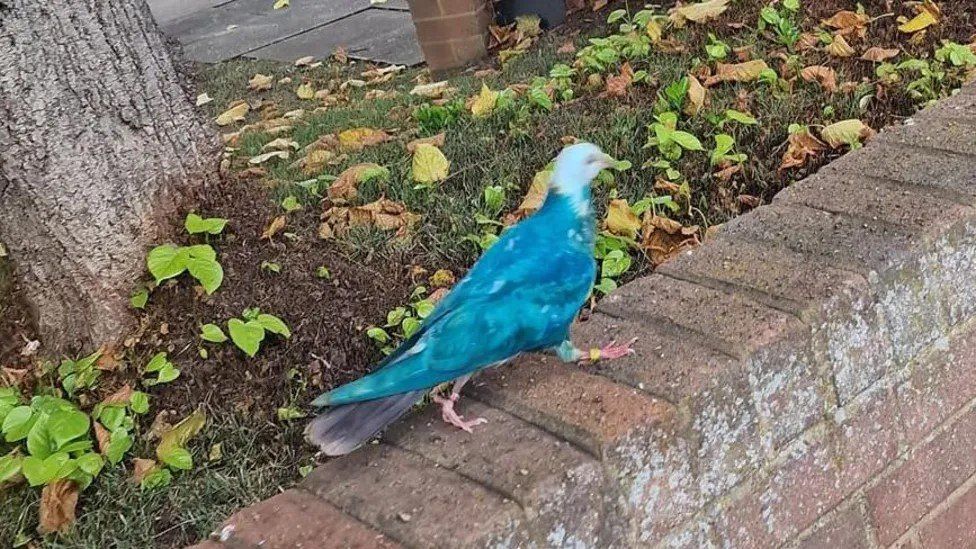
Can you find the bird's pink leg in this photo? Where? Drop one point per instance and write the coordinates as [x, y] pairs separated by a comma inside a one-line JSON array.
[[447, 408], [609, 351]]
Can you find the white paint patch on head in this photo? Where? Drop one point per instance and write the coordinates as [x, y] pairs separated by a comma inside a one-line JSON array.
[[575, 168]]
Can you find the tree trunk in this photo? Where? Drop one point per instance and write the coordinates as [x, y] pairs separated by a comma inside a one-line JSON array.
[[99, 142]]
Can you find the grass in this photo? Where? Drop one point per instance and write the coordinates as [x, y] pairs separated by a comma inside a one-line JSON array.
[[506, 149]]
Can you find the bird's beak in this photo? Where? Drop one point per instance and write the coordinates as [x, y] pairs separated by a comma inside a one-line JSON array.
[[606, 161]]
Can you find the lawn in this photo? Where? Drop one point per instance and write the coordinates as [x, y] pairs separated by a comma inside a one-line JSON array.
[[344, 226]]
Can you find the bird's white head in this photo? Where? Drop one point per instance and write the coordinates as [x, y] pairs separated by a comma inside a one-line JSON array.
[[575, 168]]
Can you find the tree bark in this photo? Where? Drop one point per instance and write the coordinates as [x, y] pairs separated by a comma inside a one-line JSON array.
[[99, 143]]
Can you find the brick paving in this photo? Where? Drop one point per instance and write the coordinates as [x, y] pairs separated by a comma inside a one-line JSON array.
[[804, 379]]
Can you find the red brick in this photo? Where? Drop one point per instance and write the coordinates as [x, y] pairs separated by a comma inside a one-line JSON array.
[[298, 519], [439, 55], [451, 7], [818, 476], [940, 384], [206, 544], [931, 473], [742, 522], [470, 48], [846, 529], [954, 527], [453, 27], [424, 9]]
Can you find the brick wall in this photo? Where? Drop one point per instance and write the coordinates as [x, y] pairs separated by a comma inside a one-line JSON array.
[[452, 33], [807, 378]]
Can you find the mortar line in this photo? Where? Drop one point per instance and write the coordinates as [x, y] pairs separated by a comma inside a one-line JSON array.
[[316, 27], [353, 517], [934, 512], [676, 329]]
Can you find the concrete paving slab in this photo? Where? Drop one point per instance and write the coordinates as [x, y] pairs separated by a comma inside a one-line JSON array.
[[377, 35]]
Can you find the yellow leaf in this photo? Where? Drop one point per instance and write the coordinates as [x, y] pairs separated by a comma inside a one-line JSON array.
[[846, 132], [260, 82], [877, 55], [839, 47], [429, 164], [280, 4], [737, 72], [654, 30], [698, 13], [141, 468], [181, 433], [696, 96], [276, 225], [928, 15], [432, 90], [305, 91], [233, 114], [357, 139], [484, 102], [621, 220]]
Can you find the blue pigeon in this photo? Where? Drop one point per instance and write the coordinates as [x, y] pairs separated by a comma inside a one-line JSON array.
[[521, 296]]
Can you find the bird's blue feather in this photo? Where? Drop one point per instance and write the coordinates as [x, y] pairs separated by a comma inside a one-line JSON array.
[[522, 295]]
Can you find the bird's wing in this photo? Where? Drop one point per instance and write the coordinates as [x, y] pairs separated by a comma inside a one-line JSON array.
[[495, 313]]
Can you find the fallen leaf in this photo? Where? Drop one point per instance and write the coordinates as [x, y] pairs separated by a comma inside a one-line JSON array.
[[281, 4], [58, 502], [264, 157], [103, 437], [807, 41], [432, 90], [315, 161], [344, 188], [696, 96], [749, 200], [847, 22], [260, 82], [697, 13], [878, 55], [180, 434], [736, 72], [533, 199], [483, 104], [663, 238], [203, 99], [121, 396], [821, 74], [429, 164], [234, 114], [305, 91], [141, 468], [567, 47], [617, 85], [340, 55], [846, 132], [928, 15], [621, 220], [435, 140], [839, 47], [357, 139], [383, 214], [442, 278], [802, 146], [276, 225], [280, 144], [304, 61], [726, 171]]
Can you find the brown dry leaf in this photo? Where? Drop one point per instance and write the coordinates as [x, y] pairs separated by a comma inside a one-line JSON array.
[[383, 214], [121, 396], [847, 22], [726, 171], [264, 157], [276, 225], [340, 55], [304, 61], [315, 161], [736, 72], [141, 468], [435, 140], [260, 82], [280, 144], [802, 146], [437, 295], [235, 113], [663, 238], [825, 76], [431, 91], [928, 15], [599, 4], [58, 502], [877, 55], [567, 47], [807, 41], [617, 85], [380, 94], [344, 188], [839, 47], [621, 220], [696, 96], [698, 13], [533, 199], [749, 201], [846, 132], [357, 139], [103, 436], [743, 53], [254, 172]]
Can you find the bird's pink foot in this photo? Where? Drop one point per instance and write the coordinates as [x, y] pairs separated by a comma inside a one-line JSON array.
[[610, 351], [450, 416]]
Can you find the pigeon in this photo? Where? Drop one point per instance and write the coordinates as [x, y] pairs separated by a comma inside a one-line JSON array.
[[521, 296]]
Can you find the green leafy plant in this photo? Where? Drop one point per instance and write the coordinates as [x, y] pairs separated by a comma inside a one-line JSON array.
[[271, 267], [195, 224], [402, 322], [722, 153], [958, 55], [290, 204], [668, 140], [494, 197], [169, 261], [165, 370], [611, 253], [80, 373], [781, 23], [672, 97], [247, 332], [716, 49], [434, 118]]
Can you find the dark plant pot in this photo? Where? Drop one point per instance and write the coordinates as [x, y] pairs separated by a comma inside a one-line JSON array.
[[551, 12]]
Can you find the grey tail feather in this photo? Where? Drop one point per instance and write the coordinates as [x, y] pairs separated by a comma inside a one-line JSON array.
[[344, 428]]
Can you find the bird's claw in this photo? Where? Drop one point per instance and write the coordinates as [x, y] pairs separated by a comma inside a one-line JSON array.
[[451, 417], [610, 351]]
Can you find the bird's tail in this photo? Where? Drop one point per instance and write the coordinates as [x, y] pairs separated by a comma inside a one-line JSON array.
[[342, 429]]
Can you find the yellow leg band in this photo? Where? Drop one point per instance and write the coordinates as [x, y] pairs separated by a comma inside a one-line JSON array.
[[594, 354]]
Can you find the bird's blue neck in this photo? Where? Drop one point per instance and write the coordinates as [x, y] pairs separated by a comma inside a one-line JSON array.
[[563, 215]]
